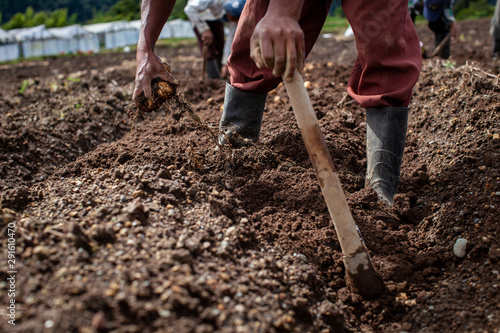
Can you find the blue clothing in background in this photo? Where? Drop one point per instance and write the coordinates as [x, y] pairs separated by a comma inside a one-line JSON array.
[[234, 7], [436, 9]]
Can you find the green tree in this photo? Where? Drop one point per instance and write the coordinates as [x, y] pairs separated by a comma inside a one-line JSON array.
[[28, 16], [83, 8], [60, 18], [17, 21], [58, 13], [57, 18], [473, 9], [39, 18], [125, 10], [178, 11], [131, 10]]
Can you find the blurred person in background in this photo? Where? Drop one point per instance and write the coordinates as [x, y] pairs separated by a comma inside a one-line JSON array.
[[415, 8], [441, 20], [206, 17]]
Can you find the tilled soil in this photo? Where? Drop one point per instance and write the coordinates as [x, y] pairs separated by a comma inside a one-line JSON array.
[[145, 226]]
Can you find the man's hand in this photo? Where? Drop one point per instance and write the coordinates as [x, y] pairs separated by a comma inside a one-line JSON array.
[[207, 37], [149, 67], [278, 42], [154, 14]]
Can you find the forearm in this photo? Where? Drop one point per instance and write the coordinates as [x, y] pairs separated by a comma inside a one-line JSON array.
[[290, 8], [154, 14]]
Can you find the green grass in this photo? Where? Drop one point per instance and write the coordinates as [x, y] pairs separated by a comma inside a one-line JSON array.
[[177, 42], [335, 25], [24, 86]]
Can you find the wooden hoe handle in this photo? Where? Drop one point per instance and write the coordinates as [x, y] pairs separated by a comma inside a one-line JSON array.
[[360, 270], [205, 60]]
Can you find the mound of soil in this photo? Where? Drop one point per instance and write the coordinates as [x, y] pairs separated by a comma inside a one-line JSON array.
[[145, 226]]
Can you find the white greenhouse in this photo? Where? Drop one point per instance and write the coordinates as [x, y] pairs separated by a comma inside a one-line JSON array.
[[39, 41], [9, 49], [114, 34], [75, 39]]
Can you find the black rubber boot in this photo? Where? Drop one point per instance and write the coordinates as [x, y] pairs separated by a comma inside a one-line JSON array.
[[213, 69], [242, 117], [385, 143], [496, 49]]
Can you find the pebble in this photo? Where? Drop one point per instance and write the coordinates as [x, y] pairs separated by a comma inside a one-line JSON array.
[[240, 308], [459, 247], [120, 173], [98, 321], [138, 193], [164, 313], [164, 174], [224, 246], [62, 272], [230, 231], [41, 251]]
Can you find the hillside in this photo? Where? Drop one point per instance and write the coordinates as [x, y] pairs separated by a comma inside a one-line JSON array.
[[84, 8]]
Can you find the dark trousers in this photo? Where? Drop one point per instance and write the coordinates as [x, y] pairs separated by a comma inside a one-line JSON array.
[[496, 47], [216, 49], [441, 30]]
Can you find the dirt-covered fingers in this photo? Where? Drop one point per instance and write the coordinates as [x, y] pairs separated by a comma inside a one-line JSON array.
[[282, 56], [294, 58], [147, 71], [256, 51], [280, 46], [207, 37], [142, 86]]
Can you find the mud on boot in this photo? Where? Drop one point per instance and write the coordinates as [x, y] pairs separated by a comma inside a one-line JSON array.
[[242, 117], [385, 143]]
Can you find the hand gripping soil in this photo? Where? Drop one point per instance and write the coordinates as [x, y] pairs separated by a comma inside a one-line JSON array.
[[162, 91], [165, 93]]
